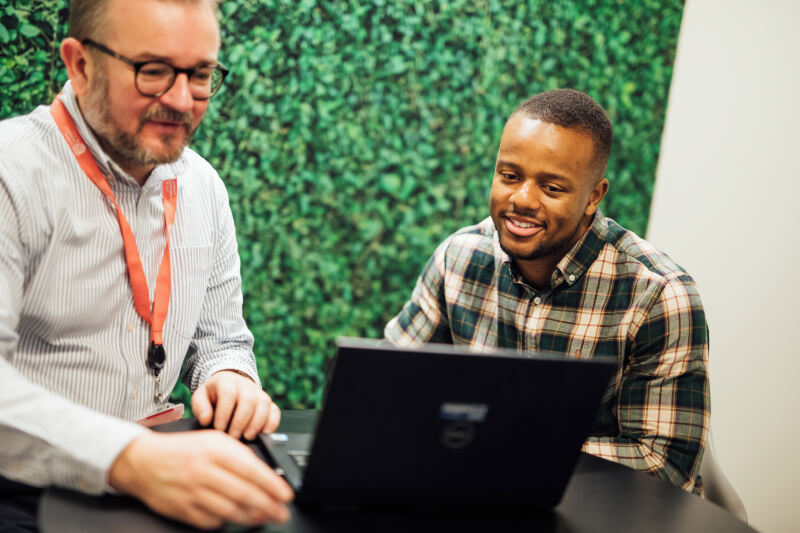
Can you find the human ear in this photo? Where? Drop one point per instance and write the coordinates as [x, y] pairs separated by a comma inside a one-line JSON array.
[[598, 192], [77, 63]]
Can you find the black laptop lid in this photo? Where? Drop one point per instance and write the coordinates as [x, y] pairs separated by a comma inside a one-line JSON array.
[[441, 425]]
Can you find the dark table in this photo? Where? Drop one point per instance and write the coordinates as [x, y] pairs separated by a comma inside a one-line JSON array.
[[601, 497]]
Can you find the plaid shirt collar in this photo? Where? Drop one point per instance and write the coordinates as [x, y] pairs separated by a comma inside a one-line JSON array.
[[574, 263]]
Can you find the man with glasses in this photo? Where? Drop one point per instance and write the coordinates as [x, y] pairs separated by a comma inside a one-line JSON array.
[[119, 273]]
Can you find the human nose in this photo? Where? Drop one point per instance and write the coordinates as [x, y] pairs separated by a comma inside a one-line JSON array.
[[526, 197], [179, 96]]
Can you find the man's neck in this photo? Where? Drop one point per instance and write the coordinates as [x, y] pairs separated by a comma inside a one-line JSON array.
[[137, 172], [537, 273]]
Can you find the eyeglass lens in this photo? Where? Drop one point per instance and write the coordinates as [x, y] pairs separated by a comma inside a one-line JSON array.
[[155, 78]]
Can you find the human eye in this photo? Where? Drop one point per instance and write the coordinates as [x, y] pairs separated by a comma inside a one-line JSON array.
[[554, 187], [507, 176], [202, 75], [155, 70]]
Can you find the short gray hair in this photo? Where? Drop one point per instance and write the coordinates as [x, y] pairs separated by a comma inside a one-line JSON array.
[[87, 17]]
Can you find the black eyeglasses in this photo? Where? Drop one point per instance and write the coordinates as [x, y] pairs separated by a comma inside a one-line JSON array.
[[154, 78]]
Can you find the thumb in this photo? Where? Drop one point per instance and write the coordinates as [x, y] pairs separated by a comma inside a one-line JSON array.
[[201, 405]]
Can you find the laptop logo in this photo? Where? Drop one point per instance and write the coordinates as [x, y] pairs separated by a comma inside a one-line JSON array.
[[466, 412], [458, 435], [459, 432]]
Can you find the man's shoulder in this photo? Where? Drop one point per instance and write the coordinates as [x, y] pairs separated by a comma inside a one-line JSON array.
[[29, 153], [194, 170], [22, 134], [192, 162], [470, 252], [470, 241], [639, 255]]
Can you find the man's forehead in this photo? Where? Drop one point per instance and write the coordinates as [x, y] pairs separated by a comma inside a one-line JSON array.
[[532, 141], [525, 132], [523, 125]]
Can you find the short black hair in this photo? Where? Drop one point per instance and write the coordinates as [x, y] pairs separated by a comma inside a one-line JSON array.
[[569, 108]]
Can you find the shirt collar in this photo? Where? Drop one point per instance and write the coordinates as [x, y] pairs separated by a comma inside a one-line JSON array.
[[108, 167], [504, 258], [574, 263], [581, 256]]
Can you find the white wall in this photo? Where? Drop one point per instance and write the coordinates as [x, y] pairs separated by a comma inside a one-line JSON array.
[[725, 208]]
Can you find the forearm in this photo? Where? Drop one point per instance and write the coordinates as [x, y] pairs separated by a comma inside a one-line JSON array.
[[211, 358], [222, 340], [423, 318], [659, 456], [662, 406], [49, 440], [661, 423]]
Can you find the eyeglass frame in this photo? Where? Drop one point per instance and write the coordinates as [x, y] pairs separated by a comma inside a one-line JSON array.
[[137, 65]]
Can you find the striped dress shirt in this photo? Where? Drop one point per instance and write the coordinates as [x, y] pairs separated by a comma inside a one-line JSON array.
[[73, 372], [613, 295]]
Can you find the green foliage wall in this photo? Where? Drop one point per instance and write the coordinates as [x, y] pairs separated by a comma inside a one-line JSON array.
[[355, 135]]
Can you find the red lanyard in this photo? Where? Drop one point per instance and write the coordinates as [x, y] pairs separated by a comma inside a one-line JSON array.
[[141, 294]]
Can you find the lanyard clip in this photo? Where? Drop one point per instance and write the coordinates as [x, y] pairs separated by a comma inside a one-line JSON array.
[[156, 357]]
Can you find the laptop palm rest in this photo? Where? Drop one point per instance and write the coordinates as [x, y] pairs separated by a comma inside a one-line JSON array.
[[289, 452]]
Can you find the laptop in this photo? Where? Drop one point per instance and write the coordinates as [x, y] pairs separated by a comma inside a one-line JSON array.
[[443, 426]]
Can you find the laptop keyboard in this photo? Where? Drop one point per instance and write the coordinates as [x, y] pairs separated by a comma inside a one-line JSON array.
[[299, 457]]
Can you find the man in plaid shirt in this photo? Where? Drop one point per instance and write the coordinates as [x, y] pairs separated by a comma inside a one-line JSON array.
[[548, 272]]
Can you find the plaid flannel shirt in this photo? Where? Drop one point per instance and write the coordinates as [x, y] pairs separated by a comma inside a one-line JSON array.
[[613, 294]]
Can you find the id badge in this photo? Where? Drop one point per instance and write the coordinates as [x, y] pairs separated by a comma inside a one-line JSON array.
[[169, 412]]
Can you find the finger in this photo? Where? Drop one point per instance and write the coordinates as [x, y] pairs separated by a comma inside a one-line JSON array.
[[225, 506], [252, 502], [201, 405], [199, 517], [245, 464], [260, 417], [236, 500], [245, 407], [274, 419], [226, 400]]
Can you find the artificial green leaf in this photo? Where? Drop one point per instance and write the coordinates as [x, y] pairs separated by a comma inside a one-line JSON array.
[[28, 30], [354, 136]]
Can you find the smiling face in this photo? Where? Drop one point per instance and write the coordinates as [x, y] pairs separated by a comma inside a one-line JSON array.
[[137, 131], [545, 190]]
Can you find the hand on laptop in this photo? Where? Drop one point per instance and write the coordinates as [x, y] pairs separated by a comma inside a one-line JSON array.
[[234, 402], [205, 478]]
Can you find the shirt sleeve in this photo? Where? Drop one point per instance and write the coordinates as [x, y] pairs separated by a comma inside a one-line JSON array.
[[663, 407], [221, 340], [46, 439], [424, 318]]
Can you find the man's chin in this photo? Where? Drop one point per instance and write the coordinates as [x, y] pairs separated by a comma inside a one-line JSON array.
[[162, 154], [163, 145], [521, 253]]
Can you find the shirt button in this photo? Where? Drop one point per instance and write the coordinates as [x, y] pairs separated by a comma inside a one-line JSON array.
[[537, 300], [571, 278], [134, 393], [129, 327]]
